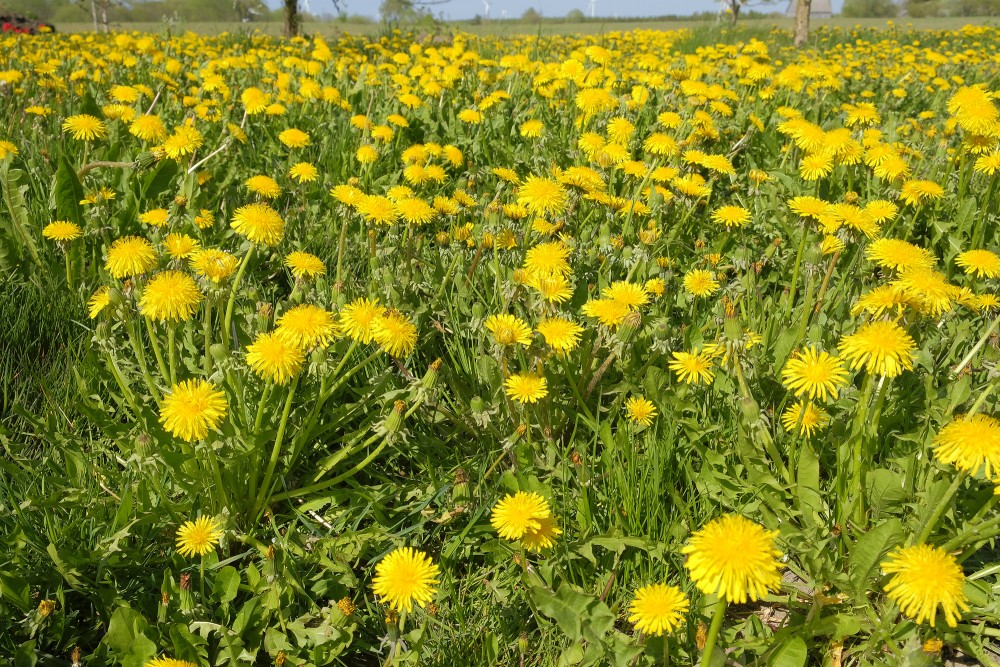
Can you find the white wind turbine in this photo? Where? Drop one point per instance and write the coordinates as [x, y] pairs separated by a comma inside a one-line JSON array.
[[486, 5], [592, 7]]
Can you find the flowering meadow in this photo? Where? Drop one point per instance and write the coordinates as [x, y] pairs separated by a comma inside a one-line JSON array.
[[627, 349]]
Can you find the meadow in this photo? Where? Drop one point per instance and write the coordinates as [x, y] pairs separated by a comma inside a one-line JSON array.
[[630, 348]]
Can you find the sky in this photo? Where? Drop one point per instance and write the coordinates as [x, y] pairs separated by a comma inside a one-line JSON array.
[[465, 9]]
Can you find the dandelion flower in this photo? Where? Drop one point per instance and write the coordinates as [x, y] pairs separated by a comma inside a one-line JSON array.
[[658, 608], [260, 223], [608, 312], [531, 129], [640, 410], [818, 375], [551, 257], [925, 577], [303, 172], [265, 186], [130, 256], [358, 317], [525, 387], [192, 409], [970, 443], [553, 287], [99, 301], [882, 347], [516, 514], [626, 293], [805, 417], [294, 138], [148, 128], [543, 537], [508, 330], [560, 334], [304, 265], [183, 142], [169, 662], [85, 127], [395, 334], [898, 254], [62, 231], [731, 216], [198, 537], [180, 246], [170, 296], [734, 558], [929, 289], [979, 263], [700, 282], [542, 196], [693, 367], [275, 357], [403, 577], [306, 326], [214, 264]]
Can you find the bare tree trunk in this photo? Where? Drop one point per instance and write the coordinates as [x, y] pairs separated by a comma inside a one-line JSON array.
[[802, 10], [734, 8], [104, 16], [93, 12], [292, 18]]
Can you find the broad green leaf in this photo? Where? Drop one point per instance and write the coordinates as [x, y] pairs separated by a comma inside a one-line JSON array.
[[836, 626], [126, 624], [68, 193], [810, 500], [792, 653], [869, 550], [227, 584]]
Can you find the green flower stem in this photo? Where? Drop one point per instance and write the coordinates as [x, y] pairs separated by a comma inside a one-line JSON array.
[[978, 346], [276, 450], [202, 579], [446, 279], [713, 632], [666, 649], [826, 282], [977, 233], [141, 357], [260, 406], [942, 505], [156, 350], [126, 391], [858, 438], [207, 328], [314, 488], [232, 295], [69, 270], [983, 531], [795, 271], [213, 463], [172, 353], [341, 244]]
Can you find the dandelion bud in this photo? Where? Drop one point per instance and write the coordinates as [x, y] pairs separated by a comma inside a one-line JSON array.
[[522, 643], [851, 197], [463, 233], [395, 419], [701, 637], [75, 656], [648, 236], [46, 607], [520, 276], [732, 328], [219, 353], [617, 242], [115, 297], [629, 326], [269, 554], [280, 659], [180, 201], [103, 332], [487, 240], [576, 458], [145, 160], [391, 617], [477, 310], [431, 376], [433, 609], [933, 646], [476, 405], [164, 598], [346, 606], [318, 356], [522, 429], [443, 238]]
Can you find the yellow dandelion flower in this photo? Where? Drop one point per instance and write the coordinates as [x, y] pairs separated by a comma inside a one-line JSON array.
[[306, 326], [640, 410], [100, 300], [693, 367], [180, 246], [198, 537], [731, 216], [979, 263], [403, 577], [543, 537], [560, 334], [970, 443], [294, 138], [508, 330], [926, 577], [130, 256], [526, 387], [806, 417], [303, 172], [264, 186], [818, 375], [395, 334], [699, 282], [357, 319], [658, 609], [192, 409], [148, 128], [734, 558], [183, 142], [542, 196], [259, 223], [170, 296], [304, 265], [275, 357], [216, 265], [516, 514], [62, 231], [85, 127], [882, 347]]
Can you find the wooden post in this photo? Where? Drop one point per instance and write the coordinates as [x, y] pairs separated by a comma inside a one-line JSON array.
[[802, 9], [291, 18]]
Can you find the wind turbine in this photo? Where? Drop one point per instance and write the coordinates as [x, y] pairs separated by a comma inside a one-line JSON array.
[[503, 14], [306, 6], [486, 4], [591, 7]]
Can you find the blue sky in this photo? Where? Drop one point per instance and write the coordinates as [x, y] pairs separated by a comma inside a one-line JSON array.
[[463, 9]]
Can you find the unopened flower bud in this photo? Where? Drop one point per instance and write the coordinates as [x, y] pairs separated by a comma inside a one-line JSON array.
[[431, 376], [395, 419], [219, 353], [629, 326]]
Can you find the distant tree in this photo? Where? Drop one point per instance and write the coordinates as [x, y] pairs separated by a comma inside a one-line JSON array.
[[531, 15], [923, 8], [575, 15], [734, 7], [406, 11], [869, 9]]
